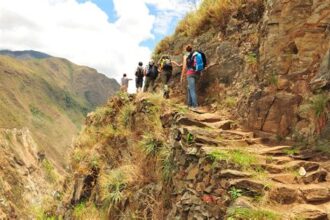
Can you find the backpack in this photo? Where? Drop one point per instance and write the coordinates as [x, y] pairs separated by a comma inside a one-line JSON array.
[[152, 72], [166, 64], [196, 61], [139, 72]]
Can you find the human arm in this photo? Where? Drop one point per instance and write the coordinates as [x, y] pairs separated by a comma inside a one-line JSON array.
[[175, 63], [184, 68]]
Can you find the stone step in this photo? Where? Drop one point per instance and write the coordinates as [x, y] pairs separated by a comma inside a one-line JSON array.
[[250, 187], [234, 174], [236, 135], [284, 194], [317, 176], [275, 151], [186, 121], [204, 117], [224, 125], [287, 193], [284, 178], [309, 212], [316, 194]]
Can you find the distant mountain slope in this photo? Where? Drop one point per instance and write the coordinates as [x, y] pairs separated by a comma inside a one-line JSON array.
[[25, 54], [51, 97]]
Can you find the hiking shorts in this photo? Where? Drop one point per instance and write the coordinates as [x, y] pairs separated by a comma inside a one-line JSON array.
[[139, 82]]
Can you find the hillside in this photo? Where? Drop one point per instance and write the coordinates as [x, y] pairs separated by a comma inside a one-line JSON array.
[[143, 157], [259, 147], [50, 97]]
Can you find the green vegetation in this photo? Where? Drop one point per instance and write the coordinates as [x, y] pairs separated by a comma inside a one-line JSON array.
[[251, 58], [190, 138], [230, 102], [151, 145], [115, 182], [235, 193], [240, 157], [84, 211], [126, 116], [291, 151], [49, 170], [272, 79], [245, 213], [167, 164], [318, 104]]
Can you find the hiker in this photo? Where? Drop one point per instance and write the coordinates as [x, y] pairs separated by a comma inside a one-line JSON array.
[[193, 63], [124, 83], [139, 74], [151, 74], [166, 67]]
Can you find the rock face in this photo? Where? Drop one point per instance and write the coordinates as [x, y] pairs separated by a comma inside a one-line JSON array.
[[294, 48], [183, 167], [26, 184], [273, 58]]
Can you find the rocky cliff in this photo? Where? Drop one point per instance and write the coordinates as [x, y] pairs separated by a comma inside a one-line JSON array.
[[27, 178], [148, 158], [270, 59]]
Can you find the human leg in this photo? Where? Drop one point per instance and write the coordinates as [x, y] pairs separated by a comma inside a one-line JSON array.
[[147, 84], [192, 96]]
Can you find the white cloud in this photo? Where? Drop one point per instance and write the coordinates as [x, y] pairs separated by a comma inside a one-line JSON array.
[[82, 32]]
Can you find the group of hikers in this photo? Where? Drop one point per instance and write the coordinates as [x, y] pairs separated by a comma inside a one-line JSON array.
[[193, 63]]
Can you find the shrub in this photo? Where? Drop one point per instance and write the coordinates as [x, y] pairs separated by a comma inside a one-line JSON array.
[[235, 193], [167, 164], [125, 117], [115, 182], [151, 145], [318, 104]]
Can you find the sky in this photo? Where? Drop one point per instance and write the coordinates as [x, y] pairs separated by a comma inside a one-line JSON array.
[[111, 36]]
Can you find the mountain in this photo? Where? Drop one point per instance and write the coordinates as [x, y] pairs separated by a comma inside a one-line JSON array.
[[26, 54], [257, 148], [50, 96]]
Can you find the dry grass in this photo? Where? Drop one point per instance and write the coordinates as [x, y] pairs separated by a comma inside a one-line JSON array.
[[210, 12]]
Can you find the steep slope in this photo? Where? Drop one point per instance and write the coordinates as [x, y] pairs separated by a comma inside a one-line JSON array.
[[268, 59], [51, 97], [27, 179], [147, 158]]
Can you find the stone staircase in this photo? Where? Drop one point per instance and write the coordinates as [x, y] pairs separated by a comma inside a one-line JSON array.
[[295, 185]]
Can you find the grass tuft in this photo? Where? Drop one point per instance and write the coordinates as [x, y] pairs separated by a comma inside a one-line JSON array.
[[240, 157], [246, 213]]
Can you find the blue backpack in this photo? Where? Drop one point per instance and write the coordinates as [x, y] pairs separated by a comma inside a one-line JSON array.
[[196, 61]]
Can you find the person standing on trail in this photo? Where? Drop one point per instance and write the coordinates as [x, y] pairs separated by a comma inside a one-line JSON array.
[[166, 67], [193, 63], [124, 83], [139, 74], [151, 74]]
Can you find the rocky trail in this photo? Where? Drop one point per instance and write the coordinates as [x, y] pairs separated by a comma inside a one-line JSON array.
[[257, 173]]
